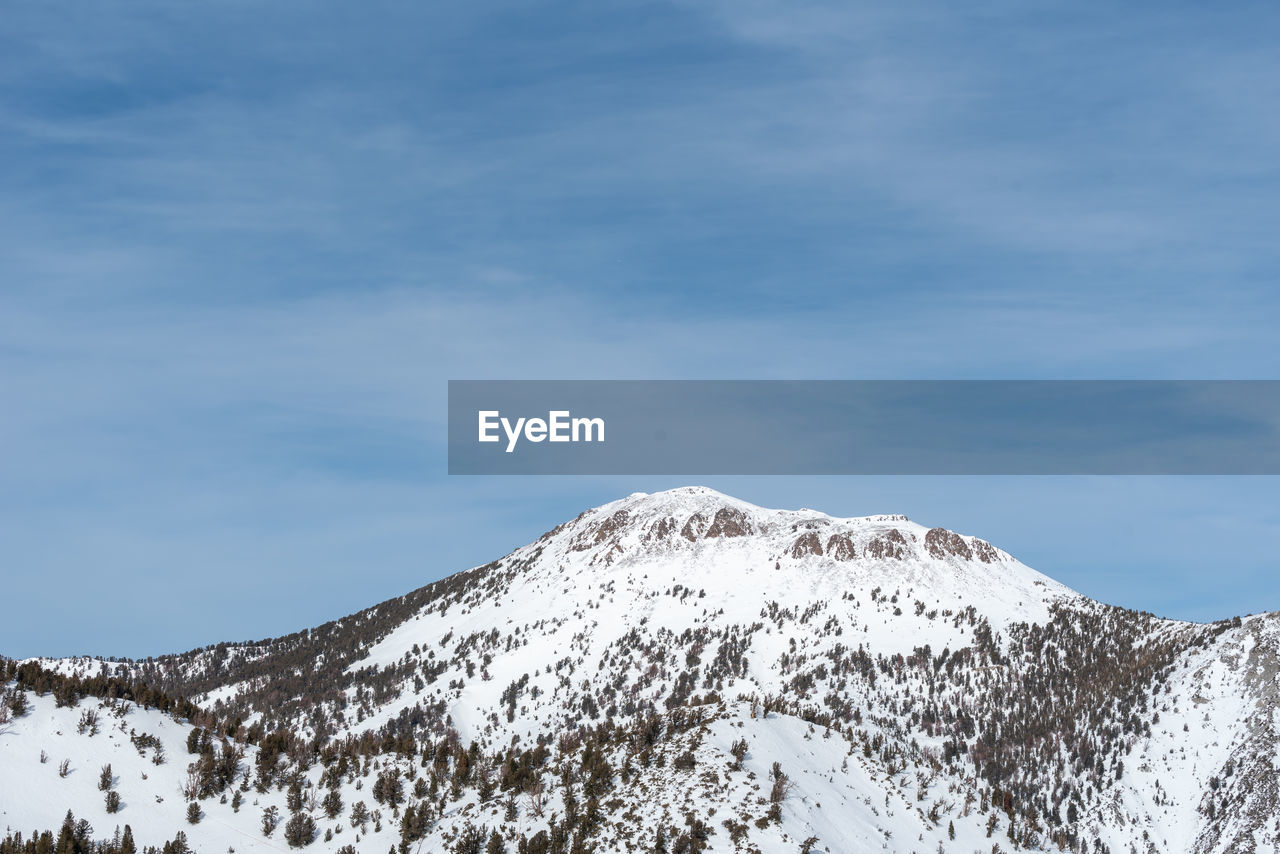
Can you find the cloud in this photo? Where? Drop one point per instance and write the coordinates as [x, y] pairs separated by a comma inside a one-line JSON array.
[[153, 449], [240, 266], [1038, 128]]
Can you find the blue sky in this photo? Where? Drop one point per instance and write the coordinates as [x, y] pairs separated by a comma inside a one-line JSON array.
[[246, 246]]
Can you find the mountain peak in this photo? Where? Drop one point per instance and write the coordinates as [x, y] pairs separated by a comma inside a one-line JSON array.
[[692, 498], [878, 661], [704, 498], [697, 537], [697, 513]]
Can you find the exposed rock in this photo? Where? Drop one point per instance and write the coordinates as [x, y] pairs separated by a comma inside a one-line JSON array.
[[603, 531], [661, 530], [942, 543], [890, 545], [693, 527], [808, 544], [984, 551], [840, 547], [729, 522]]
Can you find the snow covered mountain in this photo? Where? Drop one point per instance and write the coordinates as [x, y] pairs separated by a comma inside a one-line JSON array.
[[679, 672]]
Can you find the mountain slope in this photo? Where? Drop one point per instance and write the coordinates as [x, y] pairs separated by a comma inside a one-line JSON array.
[[920, 683]]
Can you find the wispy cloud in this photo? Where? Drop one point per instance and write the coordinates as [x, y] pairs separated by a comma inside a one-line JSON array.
[[242, 257]]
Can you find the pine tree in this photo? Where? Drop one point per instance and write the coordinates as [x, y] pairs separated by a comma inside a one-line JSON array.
[[66, 843], [127, 845], [293, 799], [470, 841], [270, 818], [106, 780], [17, 702], [412, 825], [193, 812], [83, 835], [300, 830]]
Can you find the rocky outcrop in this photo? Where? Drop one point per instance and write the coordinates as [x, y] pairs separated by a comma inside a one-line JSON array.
[[729, 522], [942, 544], [840, 547], [807, 544], [890, 545]]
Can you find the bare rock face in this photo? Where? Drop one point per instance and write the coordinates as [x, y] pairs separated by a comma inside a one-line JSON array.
[[840, 547], [596, 535], [985, 552], [729, 522], [807, 544], [890, 545], [693, 527], [661, 529], [942, 543]]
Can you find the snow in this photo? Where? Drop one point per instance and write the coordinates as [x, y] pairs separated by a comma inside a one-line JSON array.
[[628, 569]]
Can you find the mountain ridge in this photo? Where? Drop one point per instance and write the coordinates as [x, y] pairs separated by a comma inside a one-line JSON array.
[[937, 661]]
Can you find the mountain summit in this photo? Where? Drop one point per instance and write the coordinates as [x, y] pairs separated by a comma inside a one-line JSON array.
[[681, 672], [704, 534]]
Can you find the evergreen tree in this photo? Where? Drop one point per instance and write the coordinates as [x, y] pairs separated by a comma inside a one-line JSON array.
[[294, 797], [66, 843], [16, 701], [332, 804], [270, 818], [300, 830], [413, 824], [471, 840]]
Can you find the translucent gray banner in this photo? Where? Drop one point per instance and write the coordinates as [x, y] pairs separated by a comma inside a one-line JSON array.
[[706, 427]]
